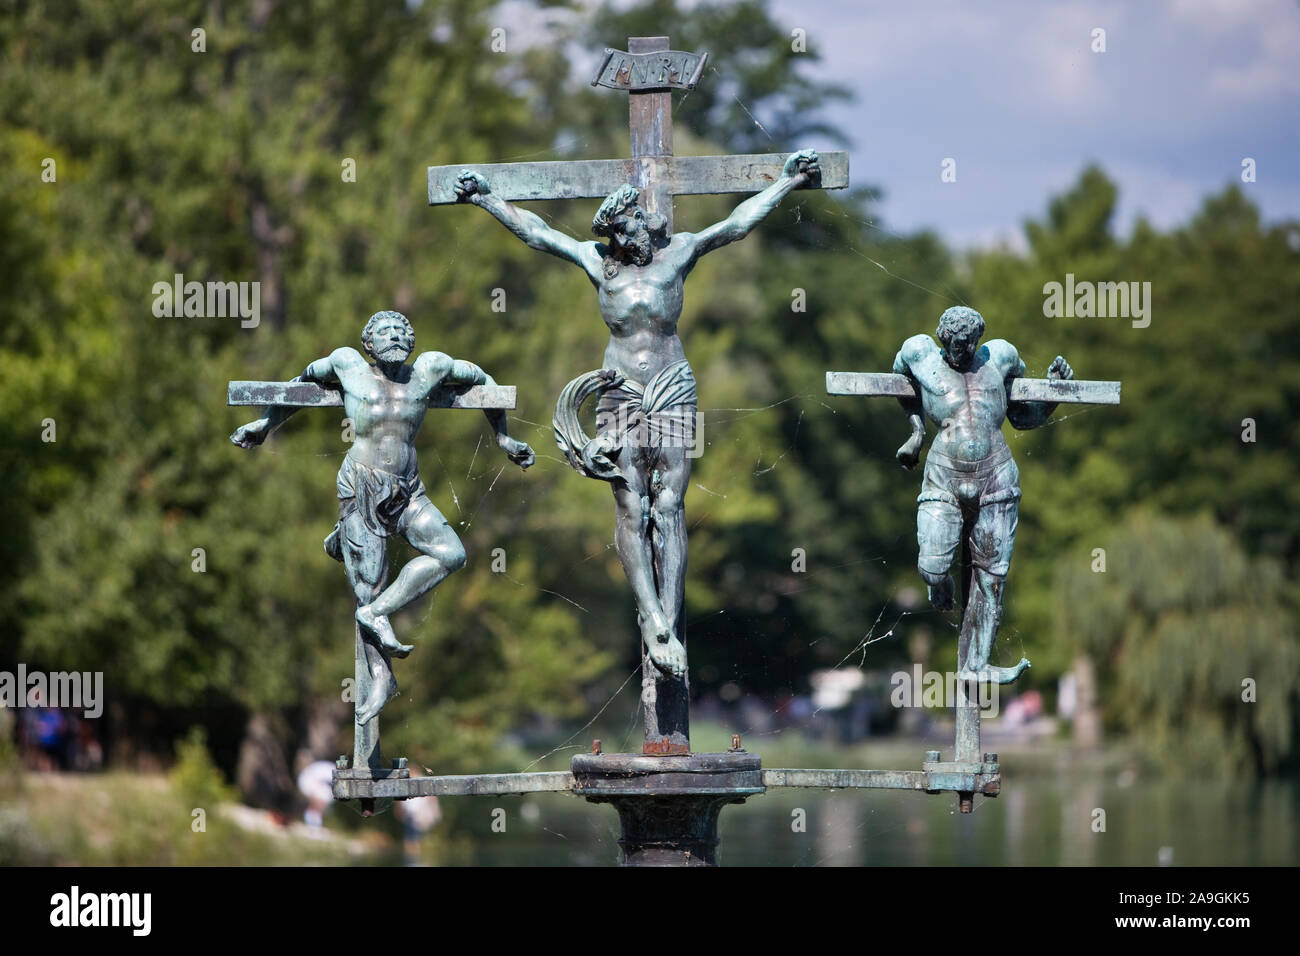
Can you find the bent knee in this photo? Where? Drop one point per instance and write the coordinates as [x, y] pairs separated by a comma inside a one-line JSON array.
[[934, 569], [450, 554], [443, 546]]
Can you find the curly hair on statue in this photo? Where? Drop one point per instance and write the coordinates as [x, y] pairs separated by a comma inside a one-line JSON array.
[[960, 322], [615, 204]]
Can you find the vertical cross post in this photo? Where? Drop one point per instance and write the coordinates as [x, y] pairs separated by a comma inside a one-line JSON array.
[[969, 762], [366, 754], [650, 124], [966, 706]]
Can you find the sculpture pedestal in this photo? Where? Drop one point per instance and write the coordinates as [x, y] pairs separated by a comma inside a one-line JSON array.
[[668, 805]]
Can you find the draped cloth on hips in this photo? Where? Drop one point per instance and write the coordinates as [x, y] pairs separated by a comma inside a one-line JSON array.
[[660, 413]]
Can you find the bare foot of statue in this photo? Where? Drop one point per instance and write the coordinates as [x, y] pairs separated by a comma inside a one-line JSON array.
[[941, 595], [990, 674], [377, 624], [667, 652], [382, 689]]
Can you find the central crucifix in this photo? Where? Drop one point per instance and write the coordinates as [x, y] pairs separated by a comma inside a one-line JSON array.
[[647, 414]]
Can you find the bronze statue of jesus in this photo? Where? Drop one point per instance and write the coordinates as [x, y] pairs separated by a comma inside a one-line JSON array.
[[646, 413]]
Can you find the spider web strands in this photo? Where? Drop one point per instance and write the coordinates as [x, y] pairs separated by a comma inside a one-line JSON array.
[[636, 670]]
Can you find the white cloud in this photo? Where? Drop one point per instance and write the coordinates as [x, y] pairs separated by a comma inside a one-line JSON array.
[[1015, 93]]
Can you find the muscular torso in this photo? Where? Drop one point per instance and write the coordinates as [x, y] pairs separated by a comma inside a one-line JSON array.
[[968, 406], [386, 413], [641, 306]]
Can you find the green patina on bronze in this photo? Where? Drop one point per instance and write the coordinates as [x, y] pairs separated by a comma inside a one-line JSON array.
[[970, 495], [668, 799], [379, 487], [645, 387]]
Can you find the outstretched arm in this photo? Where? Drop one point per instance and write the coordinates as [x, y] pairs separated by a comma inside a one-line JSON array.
[[471, 187], [460, 372], [321, 371], [1026, 415], [800, 168], [910, 452]]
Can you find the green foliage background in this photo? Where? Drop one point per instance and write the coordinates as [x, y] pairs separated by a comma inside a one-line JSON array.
[[225, 165]]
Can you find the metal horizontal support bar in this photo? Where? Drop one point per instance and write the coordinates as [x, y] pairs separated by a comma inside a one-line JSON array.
[[891, 385], [931, 782], [597, 178], [311, 395], [846, 779], [464, 785]]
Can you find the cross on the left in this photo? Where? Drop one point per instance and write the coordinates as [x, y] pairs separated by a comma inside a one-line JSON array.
[[379, 488]]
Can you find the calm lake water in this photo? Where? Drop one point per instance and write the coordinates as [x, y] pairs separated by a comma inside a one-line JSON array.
[[1043, 819]]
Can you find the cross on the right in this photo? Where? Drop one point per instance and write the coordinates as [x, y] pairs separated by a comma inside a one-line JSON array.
[[971, 486], [970, 491]]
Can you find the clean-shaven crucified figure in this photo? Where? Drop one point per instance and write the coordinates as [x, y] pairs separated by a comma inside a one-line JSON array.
[[379, 487], [971, 485], [639, 273]]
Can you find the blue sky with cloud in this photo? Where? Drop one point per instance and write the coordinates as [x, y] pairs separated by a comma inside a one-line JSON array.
[[1013, 92]]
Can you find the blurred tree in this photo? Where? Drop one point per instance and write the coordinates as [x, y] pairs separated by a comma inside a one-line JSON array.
[[228, 163], [1194, 642], [1223, 290]]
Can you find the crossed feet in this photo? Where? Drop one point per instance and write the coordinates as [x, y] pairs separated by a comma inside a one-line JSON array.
[[665, 650], [377, 624], [382, 683]]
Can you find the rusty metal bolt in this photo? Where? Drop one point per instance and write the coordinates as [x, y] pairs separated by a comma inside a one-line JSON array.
[[595, 746], [735, 741]]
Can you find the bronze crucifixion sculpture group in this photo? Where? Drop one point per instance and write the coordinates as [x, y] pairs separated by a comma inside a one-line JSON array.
[[645, 438]]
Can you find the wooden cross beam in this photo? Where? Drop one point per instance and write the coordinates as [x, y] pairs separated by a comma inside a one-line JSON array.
[[890, 385], [649, 71], [311, 395]]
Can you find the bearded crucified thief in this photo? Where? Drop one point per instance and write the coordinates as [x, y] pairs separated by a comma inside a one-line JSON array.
[[379, 489], [646, 413], [971, 487]]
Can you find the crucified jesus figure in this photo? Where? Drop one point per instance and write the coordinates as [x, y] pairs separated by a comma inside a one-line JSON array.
[[647, 409], [379, 488]]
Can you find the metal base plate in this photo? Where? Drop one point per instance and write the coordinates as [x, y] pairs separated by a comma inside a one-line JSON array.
[[599, 775]]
